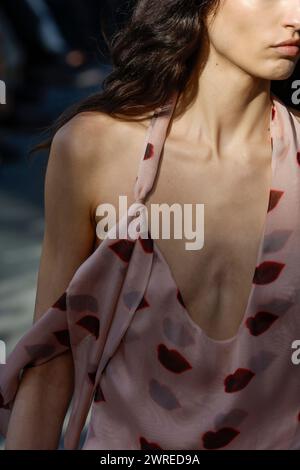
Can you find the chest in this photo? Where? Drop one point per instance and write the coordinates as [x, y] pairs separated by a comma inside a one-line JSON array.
[[214, 280]]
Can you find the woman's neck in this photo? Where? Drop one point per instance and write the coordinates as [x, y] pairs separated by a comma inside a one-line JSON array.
[[229, 108]]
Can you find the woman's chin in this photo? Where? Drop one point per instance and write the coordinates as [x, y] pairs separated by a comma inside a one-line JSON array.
[[283, 69]]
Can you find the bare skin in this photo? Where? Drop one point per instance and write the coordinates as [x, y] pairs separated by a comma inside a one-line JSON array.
[[94, 159], [214, 281]]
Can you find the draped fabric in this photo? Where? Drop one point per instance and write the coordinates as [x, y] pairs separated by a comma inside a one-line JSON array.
[[150, 375]]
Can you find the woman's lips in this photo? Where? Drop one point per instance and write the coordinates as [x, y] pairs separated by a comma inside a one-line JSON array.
[[288, 50]]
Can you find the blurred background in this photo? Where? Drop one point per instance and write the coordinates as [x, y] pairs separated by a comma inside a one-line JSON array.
[[51, 55]]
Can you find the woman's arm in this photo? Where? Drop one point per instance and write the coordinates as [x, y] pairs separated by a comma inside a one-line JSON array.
[[45, 391]]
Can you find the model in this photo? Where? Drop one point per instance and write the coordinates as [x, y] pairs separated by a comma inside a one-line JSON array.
[[172, 348]]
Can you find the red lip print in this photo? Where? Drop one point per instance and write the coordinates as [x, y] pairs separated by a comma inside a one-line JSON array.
[[260, 322], [238, 380], [261, 361], [149, 152], [40, 350], [276, 240], [92, 377], [172, 359], [273, 112], [83, 302], [234, 417], [98, 396], [63, 337], [163, 395], [123, 249], [274, 198], [143, 304], [61, 303], [216, 440], [2, 402], [145, 445], [180, 299], [91, 324], [267, 272], [147, 243]]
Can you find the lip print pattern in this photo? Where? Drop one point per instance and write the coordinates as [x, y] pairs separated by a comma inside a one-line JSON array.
[[277, 306], [276, 240], [2, 405], [233, 419], [222, 419], [123, 249], [63, 337], [163, 396], [149, 152], [147, 445], [260, 323], [238, 380], [147, 243], [91, 324], [61, 303], [92, 376], [129, 298], [267, 272], [221, 438], [83, 303], [143, 304], [172, 360], [98, 396], [179, 298], [261, 361], [130, 336], [40, 350], [274, 198], [177, 333]]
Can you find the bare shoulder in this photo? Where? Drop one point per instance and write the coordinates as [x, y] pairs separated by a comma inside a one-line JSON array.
[[98, 154], [90, 137]]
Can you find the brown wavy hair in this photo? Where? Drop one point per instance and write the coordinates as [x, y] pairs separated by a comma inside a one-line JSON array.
[[152, 57]]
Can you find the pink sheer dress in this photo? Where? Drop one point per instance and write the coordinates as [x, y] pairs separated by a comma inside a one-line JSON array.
[[149, 374]]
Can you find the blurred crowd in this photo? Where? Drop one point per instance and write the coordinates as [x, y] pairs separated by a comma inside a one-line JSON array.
[[52, 53]]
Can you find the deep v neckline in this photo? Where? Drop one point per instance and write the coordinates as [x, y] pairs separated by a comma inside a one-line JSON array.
[[153, 144], [177, 290]]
